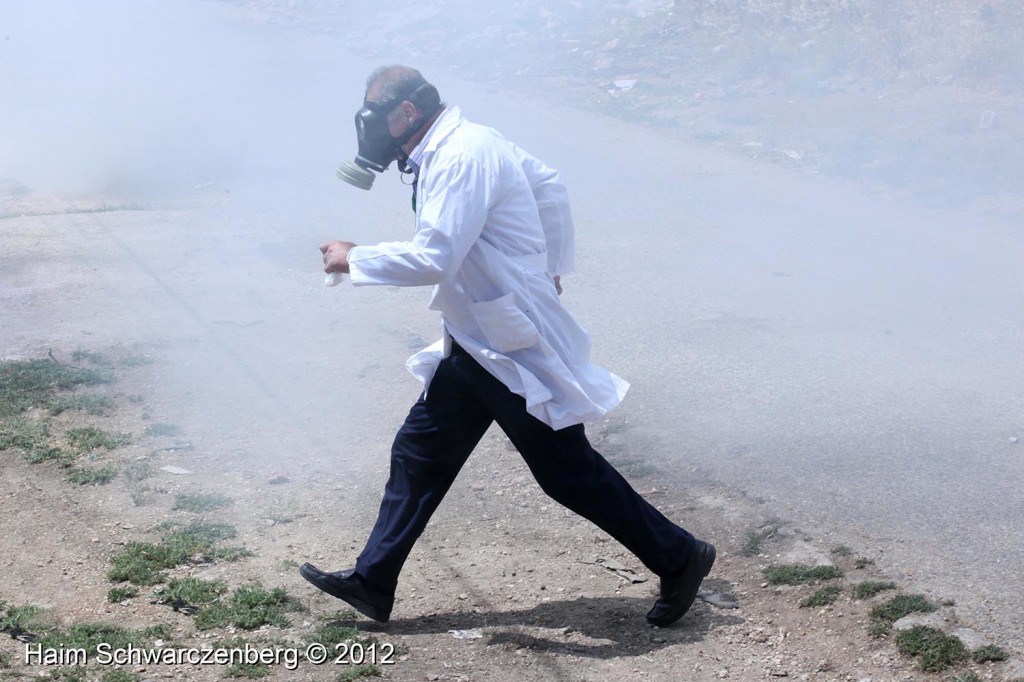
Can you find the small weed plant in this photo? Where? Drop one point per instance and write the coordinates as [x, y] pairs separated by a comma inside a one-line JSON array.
[[88, 636], [116, 595], [144, 563], [934, 650], [19, 620], [755, 540], [33, 383], [249, 607], [185, 591], [201, 502], [89, 438], [794, 574], [358, 672], [869, 588], [988, 653], [887, 613], [331, 634], [822, 597], [90, 404], [121, 676], [93, 476]]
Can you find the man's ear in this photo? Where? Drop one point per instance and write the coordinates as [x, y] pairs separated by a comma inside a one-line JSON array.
[[410, 110]]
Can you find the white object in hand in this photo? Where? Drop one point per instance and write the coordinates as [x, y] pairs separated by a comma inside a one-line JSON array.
[[333, 279]]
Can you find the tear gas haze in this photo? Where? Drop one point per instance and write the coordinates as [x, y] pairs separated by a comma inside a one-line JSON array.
[[799, 235], [149, 97]]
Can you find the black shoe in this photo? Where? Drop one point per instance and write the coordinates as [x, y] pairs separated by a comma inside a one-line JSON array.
[[348, 587], [679, 591]]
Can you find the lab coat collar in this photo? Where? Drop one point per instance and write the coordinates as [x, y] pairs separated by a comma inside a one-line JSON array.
[[447, 122]]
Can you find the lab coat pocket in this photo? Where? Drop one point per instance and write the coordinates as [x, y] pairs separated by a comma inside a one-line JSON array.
[[505, 325]]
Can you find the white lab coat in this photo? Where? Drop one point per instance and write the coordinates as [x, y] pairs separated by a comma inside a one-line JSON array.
[[492, 229]]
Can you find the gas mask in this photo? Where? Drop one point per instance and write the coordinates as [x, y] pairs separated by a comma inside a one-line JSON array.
[[377, 148]]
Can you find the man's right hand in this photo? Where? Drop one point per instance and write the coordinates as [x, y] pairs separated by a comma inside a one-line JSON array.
[[335, 255]]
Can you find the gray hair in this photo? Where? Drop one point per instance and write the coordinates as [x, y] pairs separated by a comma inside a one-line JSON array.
[[396, 82]]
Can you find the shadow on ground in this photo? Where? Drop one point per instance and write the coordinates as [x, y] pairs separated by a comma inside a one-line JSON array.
[[610, 626]]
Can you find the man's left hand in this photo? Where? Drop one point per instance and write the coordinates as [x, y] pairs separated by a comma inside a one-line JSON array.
[[336, 255]]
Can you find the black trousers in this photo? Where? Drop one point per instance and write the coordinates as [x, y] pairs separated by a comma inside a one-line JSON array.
[[440, 433]]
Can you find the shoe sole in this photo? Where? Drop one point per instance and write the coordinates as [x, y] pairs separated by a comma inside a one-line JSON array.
[[318, 580]]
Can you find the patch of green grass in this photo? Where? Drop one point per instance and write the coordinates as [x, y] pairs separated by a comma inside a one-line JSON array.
[[988, 653], [116, 595], [967, 677], [251, 606], [90, 404], [201, 502], [32, 383], [201, 535], [143, 563], [869, 588], [88, 636], [160, 429], [332, 634], [753, 545], [358, 671], [33, 439], [51, 453], [902, 605], [88, 438], [138, 471], [795, 574], [23, 434], [822, 597], [94, 476], [171, 524], [755, 540], [935, 650], [252, 671], [181, 591], [121, 676], [842, 550], [67, 674], [887, 613], [6, 660], [17, 620], [861, 562], [344, 615], [277, 517], [231, 553]]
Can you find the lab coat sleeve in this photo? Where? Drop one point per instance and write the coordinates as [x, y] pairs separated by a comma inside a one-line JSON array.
[[456, 199], [555, 215]]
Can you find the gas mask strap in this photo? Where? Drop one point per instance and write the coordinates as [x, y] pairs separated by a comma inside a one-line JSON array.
[[405, 169]]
